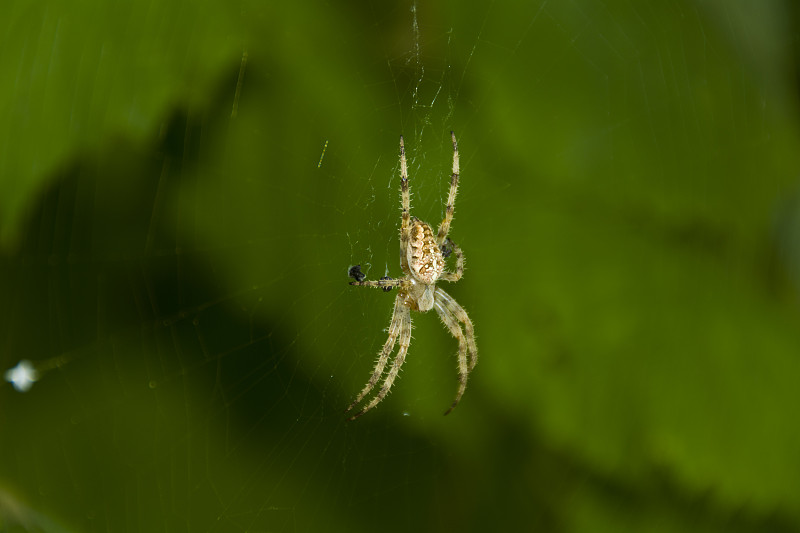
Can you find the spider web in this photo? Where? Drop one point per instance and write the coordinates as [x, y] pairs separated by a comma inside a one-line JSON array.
[[180, 287]]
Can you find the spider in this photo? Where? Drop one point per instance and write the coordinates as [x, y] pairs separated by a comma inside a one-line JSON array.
[[422, 259]]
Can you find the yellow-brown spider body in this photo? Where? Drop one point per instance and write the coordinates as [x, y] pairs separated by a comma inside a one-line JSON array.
[[422, 259], [426, 263]]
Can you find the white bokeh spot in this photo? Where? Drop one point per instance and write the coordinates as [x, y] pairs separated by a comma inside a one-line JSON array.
[[22, 376]]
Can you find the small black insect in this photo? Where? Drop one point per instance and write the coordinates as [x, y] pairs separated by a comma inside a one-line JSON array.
[[355, 273]]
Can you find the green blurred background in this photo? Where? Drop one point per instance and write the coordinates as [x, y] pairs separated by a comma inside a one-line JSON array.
[[183, 186]]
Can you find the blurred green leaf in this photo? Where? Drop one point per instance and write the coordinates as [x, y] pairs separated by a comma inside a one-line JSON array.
[[76, 74]]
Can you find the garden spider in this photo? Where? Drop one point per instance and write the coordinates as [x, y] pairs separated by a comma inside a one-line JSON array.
[[422, 257]]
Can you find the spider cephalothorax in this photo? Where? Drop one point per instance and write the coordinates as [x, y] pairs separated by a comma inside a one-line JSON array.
[[422, 259]]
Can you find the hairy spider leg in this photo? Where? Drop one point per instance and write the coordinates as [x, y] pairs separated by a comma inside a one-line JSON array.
[[399, 312], [405, 197], [462, 317], [455, 276], [455, 330], [404, 341], [444, 227], [383, 283]]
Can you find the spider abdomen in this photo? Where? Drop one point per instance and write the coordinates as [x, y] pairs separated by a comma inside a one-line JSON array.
[[424, 256]]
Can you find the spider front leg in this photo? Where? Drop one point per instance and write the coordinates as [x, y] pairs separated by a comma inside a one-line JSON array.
[[383, 356], [397, 364], [451, 323], [401, 325], [463, 317]]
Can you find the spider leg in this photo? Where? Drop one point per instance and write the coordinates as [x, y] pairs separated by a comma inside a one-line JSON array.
[[455, 329], [405, 227], [444, 227], [404, 341], [455, 276], [462, 317], [399, 313], [385, 284]]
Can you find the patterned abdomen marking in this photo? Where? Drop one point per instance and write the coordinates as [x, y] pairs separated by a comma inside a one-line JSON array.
[[424, 257]]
